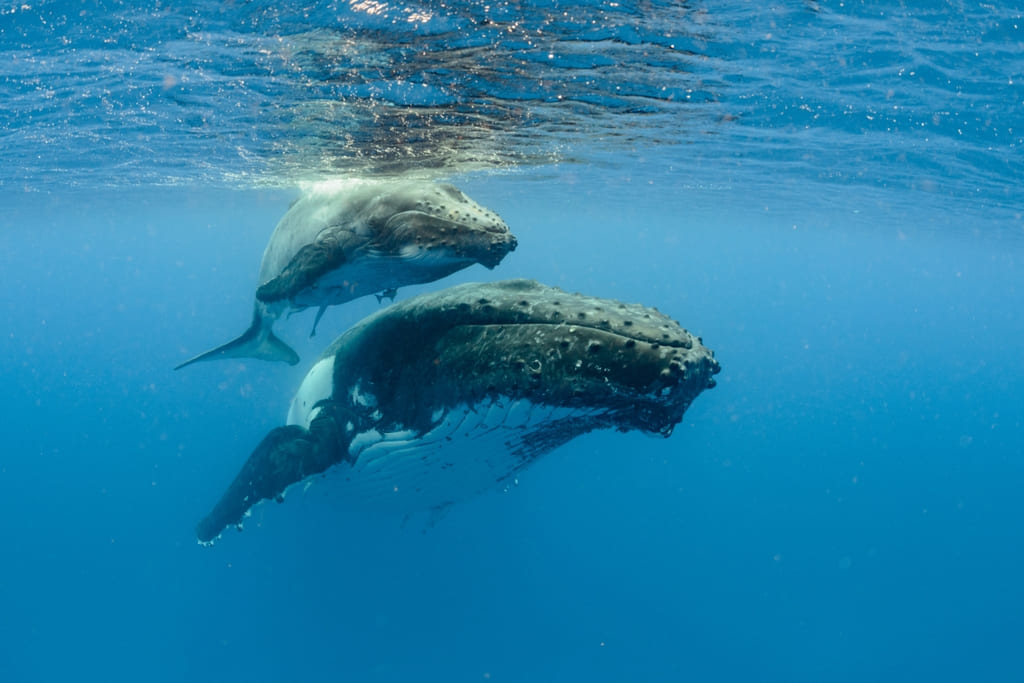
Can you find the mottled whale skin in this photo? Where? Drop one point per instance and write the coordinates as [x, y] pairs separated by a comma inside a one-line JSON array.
[[366, 237], [447, 394]]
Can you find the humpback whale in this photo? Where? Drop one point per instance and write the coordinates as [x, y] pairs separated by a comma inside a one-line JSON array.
[[368, 237], [448, 394]]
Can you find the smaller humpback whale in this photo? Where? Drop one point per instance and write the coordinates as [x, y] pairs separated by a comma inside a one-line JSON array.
[[450, 393], [369, 237]]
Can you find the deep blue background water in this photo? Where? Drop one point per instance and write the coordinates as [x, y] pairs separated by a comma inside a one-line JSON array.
[[843, 506]]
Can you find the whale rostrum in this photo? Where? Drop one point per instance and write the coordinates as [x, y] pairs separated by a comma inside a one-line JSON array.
[[366, 237], [447, 394]]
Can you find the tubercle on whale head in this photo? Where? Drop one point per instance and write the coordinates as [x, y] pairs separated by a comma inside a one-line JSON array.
[[496, 251], [438, 200]]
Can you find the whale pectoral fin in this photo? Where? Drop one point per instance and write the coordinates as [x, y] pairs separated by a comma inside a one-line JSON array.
[[259, 341], [308, 265], [319, 314], [286, 455], [390, 293]]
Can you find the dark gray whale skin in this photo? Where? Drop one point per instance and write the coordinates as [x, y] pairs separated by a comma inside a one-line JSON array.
[[626, 366], [367, 237]]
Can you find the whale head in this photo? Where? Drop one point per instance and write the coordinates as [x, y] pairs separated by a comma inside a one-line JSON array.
[[628, 366], [438, 223]]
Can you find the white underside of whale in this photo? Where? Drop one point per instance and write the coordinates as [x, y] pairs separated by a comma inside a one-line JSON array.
[[375, 272], [316, 386]]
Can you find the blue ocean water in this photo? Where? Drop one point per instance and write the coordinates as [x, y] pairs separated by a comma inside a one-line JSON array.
[[827, 192]]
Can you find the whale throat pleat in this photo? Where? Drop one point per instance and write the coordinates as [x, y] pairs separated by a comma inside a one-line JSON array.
[[470, 449]]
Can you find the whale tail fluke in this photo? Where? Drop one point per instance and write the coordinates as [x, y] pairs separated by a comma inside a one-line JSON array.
[[259, 341]]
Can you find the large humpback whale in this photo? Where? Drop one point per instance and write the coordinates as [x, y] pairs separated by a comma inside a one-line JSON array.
[[368, 237], [447, 394]]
